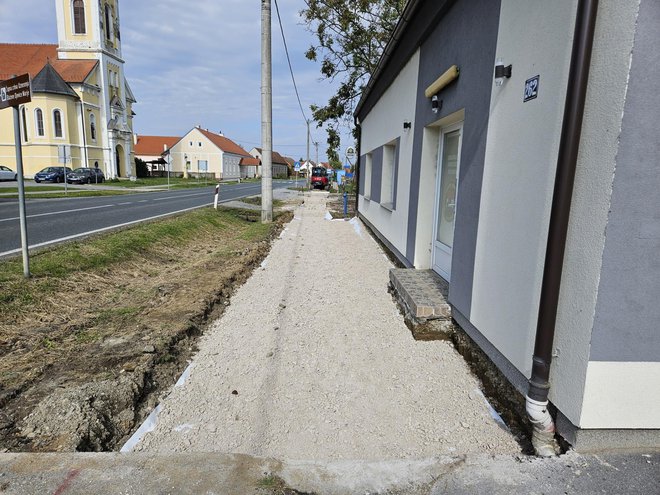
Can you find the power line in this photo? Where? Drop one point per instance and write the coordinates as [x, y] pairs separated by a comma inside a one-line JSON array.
[[286, 50]]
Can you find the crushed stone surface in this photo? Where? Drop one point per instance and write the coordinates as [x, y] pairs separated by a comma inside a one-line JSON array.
[[313, 361]]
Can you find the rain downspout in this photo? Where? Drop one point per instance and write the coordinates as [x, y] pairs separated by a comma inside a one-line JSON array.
[[539, 387], [358, 162]]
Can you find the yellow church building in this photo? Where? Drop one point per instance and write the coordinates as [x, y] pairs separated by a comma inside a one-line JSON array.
[[81, 109]]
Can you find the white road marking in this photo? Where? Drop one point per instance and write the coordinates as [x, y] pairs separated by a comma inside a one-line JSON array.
[[57, 213], [97, 231]]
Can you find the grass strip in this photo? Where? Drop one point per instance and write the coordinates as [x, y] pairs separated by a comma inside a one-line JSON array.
[[72, 194], [102, 252], [161, 181]]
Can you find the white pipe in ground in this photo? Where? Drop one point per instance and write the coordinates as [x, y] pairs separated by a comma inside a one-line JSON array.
[[543, 434]]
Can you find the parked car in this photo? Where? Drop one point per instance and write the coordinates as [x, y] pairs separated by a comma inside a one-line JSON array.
[[7, 174], [319, 177], [85, 175], [51, 174]]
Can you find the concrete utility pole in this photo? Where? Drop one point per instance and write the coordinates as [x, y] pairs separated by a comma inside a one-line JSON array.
[[316, 145], [309, 165], [266, 115]]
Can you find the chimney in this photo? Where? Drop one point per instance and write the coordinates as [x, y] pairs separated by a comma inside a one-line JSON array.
[[164, 148]]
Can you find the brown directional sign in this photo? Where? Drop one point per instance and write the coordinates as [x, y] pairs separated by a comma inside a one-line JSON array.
[[15, 91]]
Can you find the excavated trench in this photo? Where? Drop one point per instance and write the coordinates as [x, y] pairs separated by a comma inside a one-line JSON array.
[[67, 408]]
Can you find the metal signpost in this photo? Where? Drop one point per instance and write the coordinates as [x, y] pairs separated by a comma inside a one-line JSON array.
[[14, 92], [296, 167], [64, 157]]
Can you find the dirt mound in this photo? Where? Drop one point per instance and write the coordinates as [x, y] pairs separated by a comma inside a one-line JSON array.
[[86, 418]]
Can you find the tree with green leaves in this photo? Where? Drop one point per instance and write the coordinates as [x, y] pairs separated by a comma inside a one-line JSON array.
[[352, 35]]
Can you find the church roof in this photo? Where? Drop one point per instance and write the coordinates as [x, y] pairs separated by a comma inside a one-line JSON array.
[[20, 58], [49, 81]]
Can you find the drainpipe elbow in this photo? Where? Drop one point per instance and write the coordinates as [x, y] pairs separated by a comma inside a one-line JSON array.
[[543, 434]]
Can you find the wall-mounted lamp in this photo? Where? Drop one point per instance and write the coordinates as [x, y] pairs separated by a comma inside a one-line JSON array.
[[436, 104], [501, 72], [407, 126]]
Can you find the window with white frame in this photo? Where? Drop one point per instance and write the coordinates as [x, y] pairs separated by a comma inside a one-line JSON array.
[[57, 123], [108, 22], [368, 174], [39, 122], [78, 7], [92, 126], [389, 169], [24, 119]]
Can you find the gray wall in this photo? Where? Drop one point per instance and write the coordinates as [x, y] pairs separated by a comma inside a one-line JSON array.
[[628, 307], [376, 174], [475, 55]]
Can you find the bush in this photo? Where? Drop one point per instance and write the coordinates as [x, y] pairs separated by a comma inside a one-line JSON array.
[[141, 169]]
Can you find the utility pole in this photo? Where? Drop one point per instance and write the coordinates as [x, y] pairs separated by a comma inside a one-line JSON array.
[[309, 164], [266, 115], [316, 145]]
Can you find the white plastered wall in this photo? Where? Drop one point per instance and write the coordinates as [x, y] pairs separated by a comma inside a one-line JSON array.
[[595, 394], [521, 160], [382, 125], [519, 170]]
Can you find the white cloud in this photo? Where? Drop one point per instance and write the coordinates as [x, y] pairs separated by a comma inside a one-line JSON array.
[[199, 63]]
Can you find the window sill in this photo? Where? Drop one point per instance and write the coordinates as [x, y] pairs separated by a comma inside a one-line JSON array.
[[367, 198], [388, 206]]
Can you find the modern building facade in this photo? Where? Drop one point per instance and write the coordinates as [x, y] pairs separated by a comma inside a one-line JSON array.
[[81, 111], [457, 174]]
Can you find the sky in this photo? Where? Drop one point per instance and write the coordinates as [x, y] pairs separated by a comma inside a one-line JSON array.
[[202, 66]]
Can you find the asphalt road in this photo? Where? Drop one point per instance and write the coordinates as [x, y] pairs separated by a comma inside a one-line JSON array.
[[52, 221]]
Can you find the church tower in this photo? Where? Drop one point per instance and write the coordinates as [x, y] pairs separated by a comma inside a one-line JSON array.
[[90, 29]]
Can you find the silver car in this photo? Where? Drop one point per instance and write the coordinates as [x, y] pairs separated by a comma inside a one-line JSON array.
[[7, 174]]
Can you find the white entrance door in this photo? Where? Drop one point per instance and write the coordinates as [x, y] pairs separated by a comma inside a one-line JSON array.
[[449, 157]]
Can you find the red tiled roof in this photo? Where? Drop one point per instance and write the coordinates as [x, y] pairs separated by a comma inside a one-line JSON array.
[[153, 145], [277, 158], [249, 161], [225, 144], [16, 59], [74, 71]]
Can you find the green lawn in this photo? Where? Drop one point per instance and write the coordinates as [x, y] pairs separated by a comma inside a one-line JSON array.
[[14, 190], [72, 193], [175, 182]]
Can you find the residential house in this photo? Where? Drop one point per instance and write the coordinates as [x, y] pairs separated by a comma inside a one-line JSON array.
[[249, 167], [280, 165], [150, 149], [473, 126], [81, 109], [204, 153]]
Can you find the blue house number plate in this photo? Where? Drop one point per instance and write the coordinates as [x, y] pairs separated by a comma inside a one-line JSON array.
[[531, 88]]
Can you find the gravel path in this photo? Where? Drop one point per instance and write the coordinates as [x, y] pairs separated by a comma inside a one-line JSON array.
[[313, 361]]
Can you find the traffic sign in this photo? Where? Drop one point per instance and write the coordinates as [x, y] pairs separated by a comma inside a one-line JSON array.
[[15, 91], [296, 166]]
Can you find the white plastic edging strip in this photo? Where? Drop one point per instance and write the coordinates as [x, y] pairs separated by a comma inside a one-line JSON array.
[[151, 421], [356, 225]]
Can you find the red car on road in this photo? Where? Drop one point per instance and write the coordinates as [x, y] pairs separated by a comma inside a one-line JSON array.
[[319, 177]]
